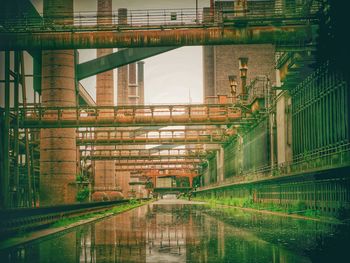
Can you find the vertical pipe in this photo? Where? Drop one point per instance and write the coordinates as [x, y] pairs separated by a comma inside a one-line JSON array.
[[6, 173], [16, 130]]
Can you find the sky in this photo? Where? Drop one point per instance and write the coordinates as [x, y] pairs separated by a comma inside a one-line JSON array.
[[172, 77]]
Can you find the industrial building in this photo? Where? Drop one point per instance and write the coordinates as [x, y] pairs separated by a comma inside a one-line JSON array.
[[271, 132]]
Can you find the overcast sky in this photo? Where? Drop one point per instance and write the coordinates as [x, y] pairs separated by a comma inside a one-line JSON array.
[[169, 77]]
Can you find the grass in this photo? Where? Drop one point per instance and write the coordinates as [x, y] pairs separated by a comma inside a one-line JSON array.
[[298, 208], [114, 210]]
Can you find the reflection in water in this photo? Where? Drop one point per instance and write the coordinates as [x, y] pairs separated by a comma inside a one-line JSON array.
[[180, 233]]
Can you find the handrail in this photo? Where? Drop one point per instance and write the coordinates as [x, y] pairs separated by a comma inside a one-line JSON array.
[[338, 156], [155, 18], [87, 116]]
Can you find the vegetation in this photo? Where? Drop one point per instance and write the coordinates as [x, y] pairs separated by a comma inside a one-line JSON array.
[[81, 178], [83, 194], [133, 203], [299, 207]]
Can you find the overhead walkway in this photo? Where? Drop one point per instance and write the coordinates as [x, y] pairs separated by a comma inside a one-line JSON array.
[[126, 116], [132, 150], [145, 157], [169, 136], [150, 28], [160, 166]]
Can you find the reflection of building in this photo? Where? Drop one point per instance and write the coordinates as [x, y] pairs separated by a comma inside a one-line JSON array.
[[116, 239], [137, 186], [51, 251], [166, 234], [180, 233], [153, 233]]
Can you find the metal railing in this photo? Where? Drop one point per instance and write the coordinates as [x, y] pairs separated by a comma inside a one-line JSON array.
[[259, 88], [159, 18], [331, 158], [12, 220]]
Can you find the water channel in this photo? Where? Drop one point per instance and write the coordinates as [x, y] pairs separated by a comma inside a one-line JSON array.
[[174, 231]]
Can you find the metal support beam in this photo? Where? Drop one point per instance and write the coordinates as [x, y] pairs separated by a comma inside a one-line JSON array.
[[36, 70], [6, 138], [29, 157], [15, 185], [24, 8], [117, 59], [155, 38]]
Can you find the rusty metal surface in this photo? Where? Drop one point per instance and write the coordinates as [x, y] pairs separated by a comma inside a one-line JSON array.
[[151, 28], [124, 116], [155, 38]]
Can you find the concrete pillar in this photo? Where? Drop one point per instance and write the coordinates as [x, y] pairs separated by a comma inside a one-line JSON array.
[[140, 82], [208, 71], [208, 15], [105, 182], [58, 146], [123, 177], [122, 71], [220, 165], [240, 7], [284, 124], [123, 85], [132, 86]]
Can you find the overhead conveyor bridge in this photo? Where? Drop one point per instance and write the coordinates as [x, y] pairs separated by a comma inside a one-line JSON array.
[[126, 116], [150, 28]]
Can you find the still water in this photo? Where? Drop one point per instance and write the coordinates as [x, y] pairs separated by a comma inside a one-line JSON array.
[[180, 232]]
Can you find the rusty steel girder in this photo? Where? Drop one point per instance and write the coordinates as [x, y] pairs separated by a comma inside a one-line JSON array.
[[155, 38]]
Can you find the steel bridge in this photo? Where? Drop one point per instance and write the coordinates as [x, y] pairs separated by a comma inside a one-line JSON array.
[[149, 28], [126, 116]]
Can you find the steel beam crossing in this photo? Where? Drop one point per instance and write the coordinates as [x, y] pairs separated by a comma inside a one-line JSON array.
[[135, 149], [146, 157], [126, 116], [177, 173], [117, 59], [169, 136], [173, 161], [146, 167], [156, 38], [142, 154], [147, 28]]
